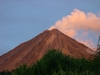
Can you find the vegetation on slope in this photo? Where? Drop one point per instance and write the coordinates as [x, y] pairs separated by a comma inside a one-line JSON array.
[[56, 63]]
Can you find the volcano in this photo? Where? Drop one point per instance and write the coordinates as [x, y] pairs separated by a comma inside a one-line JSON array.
[[31, 51]]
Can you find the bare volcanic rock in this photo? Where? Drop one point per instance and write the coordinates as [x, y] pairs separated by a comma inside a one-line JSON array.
[[31, 51]]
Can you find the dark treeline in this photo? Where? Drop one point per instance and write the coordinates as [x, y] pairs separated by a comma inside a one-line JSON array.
[[56, 63]]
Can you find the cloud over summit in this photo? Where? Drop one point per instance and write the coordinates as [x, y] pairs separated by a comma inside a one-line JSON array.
[[79, 21]]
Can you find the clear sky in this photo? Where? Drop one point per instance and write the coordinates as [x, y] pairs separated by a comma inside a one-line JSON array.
[[21, 20]]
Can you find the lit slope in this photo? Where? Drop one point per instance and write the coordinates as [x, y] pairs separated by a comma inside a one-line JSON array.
[[31, 51]]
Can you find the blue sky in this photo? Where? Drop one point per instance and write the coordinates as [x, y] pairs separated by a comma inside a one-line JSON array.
[[21, 20]]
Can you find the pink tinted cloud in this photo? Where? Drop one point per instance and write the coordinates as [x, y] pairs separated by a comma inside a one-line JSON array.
[[76, 21]]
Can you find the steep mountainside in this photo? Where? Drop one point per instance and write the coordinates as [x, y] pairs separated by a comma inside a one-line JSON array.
[[31, 51]]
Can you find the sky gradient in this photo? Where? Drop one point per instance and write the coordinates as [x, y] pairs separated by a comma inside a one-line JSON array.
[[22, 20]]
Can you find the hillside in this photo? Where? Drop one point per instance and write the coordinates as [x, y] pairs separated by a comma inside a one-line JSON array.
[[31, 51], [56, 63]]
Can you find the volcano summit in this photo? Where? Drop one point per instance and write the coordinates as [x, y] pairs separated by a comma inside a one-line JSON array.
[[31, 51]]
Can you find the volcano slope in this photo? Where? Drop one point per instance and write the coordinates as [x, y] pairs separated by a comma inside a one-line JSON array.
[[31, 51]]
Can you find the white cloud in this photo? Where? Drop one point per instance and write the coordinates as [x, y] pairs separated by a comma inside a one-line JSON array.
[[79, 20]]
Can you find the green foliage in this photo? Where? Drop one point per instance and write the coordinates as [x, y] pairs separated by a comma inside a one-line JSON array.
[[98, 55], [5, 73], [56, 63], [95, 64], [22, 70]]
